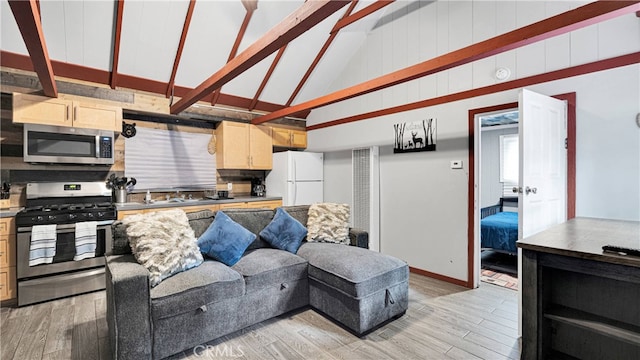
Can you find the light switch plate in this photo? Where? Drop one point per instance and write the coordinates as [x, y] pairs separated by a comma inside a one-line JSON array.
[[456, 164], [229, 186]]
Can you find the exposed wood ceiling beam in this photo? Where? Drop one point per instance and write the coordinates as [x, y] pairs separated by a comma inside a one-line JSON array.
[[319, 56], [234, 49], [578, 70], [346, 21], [116, 45], [28, 19], [183, 38], [267, 76], [304, 18], [571, 20]]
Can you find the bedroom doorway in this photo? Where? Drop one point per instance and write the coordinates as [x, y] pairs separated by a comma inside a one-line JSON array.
[[474, 190], [498, 166]]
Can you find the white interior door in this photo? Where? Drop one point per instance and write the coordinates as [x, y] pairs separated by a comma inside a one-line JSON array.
[[542, 200], [543, 163]]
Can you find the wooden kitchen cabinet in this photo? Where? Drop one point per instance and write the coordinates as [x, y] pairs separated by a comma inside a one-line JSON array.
[[42, 110], [271, 204], [290, 138], [123, 213], [243, 146], [7, 258]]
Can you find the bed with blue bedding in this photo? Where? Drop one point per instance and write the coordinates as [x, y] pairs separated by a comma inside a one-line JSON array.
[[499, 228]]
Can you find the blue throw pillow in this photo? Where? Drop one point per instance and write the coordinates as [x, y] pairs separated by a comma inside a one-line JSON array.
[[284, 232], [225, 240]]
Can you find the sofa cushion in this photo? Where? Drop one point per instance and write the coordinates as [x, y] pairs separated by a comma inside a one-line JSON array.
[[264, 267], [328, 222], [298, 212], [200, 221], [284, 232], [189, 290], [225, 240], [253, 220], [163, 242], [355, 271]]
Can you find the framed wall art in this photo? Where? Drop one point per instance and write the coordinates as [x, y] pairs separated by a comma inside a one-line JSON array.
[[415, 136]]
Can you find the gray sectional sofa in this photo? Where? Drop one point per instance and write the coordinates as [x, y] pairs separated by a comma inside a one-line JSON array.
[[358, 288]]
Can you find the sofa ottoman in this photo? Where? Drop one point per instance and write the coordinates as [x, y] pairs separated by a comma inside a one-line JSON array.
[[358, 288]]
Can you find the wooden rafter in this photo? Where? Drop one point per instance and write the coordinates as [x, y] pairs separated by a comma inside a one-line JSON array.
[[113, 82], [183, 38], [234, 48], [319, 56], [346, 21], [304, 18], [571, 20], [578, 70], [29, 22], [267, 76]]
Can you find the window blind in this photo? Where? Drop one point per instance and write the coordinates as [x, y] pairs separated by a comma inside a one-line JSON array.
[[160, 159], [509, 162]]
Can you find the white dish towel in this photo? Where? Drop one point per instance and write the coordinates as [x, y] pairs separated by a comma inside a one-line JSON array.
[[86, 237], [43, 244]]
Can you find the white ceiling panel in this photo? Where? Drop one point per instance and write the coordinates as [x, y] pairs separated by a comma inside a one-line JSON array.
[[150, 36], [247, 83], [79, 32], [53, 25], [213, 30], [331, 65], [10, 37], [268, 15], [296, 60]]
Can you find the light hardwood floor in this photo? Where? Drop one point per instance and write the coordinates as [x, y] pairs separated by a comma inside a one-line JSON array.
[[444, 321]]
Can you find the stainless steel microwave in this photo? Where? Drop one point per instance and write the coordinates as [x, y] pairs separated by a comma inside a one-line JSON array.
[[67, 145]]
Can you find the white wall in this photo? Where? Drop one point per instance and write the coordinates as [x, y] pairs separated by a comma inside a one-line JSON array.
[[423, 201]]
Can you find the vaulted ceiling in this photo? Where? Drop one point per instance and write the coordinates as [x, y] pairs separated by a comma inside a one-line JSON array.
[[277, 57], [171, 47]]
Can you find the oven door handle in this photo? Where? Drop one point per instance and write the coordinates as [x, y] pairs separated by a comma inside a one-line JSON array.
[[67, 226]]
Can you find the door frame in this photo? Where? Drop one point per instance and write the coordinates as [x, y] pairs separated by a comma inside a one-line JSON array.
[[570, 98]]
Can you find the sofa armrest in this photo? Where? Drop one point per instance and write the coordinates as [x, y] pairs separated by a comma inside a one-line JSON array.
[[128, 308], [359, 238]]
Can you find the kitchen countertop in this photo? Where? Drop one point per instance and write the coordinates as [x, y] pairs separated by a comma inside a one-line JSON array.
[[584, 237], [10, 212], [141, 205]]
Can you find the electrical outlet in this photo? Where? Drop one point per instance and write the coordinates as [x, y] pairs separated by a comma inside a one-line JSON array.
[[229, 186]]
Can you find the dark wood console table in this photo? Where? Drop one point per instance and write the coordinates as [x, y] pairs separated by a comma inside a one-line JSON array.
[[578, 302]]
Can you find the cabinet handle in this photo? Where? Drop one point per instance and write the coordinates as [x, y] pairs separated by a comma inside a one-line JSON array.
[[290, 138], [75, 112], [67, 112], [249, 160]]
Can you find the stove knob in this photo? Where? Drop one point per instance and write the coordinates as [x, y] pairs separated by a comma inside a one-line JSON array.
[[90, 215], [39, 218], [72, 216], [100, 214], [51, 217]]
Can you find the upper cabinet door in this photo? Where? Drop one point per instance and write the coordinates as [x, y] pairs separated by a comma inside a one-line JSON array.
[[281, 137], [42, 110], [96, 116], [261, 148], [232, 150], [299, 139]]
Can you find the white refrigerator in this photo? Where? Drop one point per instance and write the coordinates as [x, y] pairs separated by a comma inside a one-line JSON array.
[[297, 177]]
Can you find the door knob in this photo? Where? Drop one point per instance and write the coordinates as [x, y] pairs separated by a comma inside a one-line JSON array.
[[517, 190], [529, 190]]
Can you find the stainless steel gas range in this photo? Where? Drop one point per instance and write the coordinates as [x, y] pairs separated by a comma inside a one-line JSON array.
[[60, 225]]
